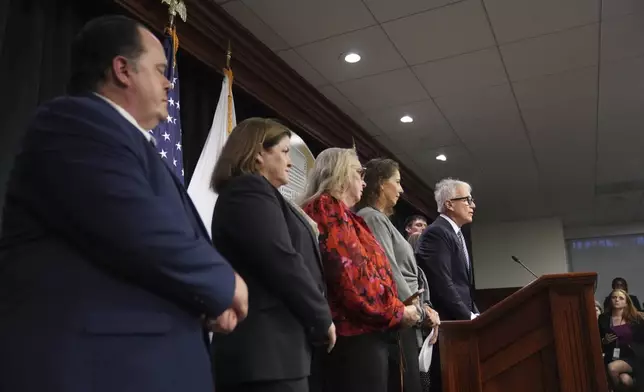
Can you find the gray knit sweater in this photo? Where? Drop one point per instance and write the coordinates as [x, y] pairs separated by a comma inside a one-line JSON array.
[[398, 251]]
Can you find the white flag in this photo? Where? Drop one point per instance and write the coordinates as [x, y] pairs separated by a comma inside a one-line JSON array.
[[199, 188]]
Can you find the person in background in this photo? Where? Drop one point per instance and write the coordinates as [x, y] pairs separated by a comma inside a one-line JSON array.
[[621, 284], [621, 329], [381, 193], [415, 224], [362, 293], [278, 257], [107, 271], [598, 309], [442, 254]]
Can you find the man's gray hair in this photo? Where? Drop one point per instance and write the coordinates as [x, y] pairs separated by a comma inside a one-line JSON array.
[[445, 190]]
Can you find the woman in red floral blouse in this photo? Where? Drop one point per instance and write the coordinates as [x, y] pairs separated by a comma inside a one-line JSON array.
[[361, 292]]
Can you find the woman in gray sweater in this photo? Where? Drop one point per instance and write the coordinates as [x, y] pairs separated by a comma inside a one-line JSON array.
[[380, 195]]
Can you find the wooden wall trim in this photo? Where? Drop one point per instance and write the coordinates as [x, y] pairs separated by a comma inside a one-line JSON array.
[[264, 75]]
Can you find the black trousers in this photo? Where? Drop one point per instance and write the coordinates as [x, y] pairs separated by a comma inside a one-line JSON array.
[[358, 364], [299, 385], [436, 384], [405, 350]]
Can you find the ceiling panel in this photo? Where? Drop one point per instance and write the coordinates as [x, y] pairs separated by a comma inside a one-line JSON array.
[[622, 37], [302, 21], [621, 7], [389, 144], [384, 90], [368, 125], [255, 25], [461, 73], [443, 32], [386, 10], [620, 136], [621, 94], [625, 207], [620, 161], [552, 53], [557, 89], [303, 68], [377, 52], [428, 125], [483, 117], [513, 20], [459, 164], [566, 130], [511, 159], [560, 113], [340, 101], [415, 145]]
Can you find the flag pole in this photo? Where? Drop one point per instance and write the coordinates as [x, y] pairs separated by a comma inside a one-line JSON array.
[[229, 73], [175, 7]]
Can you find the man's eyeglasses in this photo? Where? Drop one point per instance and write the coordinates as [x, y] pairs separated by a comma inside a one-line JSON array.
[[468, 199]]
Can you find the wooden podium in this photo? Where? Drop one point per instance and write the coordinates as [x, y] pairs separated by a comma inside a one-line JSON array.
[[544, 337]]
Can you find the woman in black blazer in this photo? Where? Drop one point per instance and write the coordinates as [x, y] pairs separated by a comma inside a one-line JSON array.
[[272, 245], [621, 328]]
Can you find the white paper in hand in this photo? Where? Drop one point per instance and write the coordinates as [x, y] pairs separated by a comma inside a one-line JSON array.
[[425, 356]]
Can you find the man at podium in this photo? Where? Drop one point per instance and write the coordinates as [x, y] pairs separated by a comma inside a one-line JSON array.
[[442, 254]]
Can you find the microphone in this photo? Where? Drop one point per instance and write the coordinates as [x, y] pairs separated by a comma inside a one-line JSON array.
[[516, 259]]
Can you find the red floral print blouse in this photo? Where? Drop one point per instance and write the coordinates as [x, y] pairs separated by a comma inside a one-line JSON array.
[[361, 291]]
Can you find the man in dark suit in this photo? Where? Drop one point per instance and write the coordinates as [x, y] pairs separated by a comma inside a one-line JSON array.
[[442, 254], [107, 274]]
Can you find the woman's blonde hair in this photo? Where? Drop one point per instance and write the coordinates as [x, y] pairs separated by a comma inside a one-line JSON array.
[[246, 140], [630, 314], [331, 173]]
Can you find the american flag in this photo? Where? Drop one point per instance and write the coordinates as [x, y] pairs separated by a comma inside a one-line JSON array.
[[168, 133]]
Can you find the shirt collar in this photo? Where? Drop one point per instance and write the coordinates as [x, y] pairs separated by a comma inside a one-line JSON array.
[[451, 222], [128, 117]]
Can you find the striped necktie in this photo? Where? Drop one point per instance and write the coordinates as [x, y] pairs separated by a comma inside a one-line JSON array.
[[463, 249]]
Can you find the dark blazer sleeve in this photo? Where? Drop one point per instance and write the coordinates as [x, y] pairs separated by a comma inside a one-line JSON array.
[[268, 251], [604, 328], [91, 186], [433, 255], [636, 303]]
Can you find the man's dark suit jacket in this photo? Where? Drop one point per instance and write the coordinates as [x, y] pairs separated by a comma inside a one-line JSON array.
[[105, 267], [450, 281], [275, 250]]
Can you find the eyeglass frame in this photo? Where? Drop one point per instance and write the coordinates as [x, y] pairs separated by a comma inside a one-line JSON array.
[[468, 199], [362, 171]]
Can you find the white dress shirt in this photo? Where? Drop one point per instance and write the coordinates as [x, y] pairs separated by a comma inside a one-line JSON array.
[[128, 117]]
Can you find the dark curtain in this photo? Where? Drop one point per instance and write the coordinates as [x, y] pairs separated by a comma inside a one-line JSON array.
[[35, 38]]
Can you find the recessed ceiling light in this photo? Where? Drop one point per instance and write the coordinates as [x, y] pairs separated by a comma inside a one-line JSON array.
[[352, 57], [406, 119], [441, 157]]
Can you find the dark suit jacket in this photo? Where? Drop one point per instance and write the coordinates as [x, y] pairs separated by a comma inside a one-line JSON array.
[[105, 267], [274, 249], [450, 281], [636, 348]]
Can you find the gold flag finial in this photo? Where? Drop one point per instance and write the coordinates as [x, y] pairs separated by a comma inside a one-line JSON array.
[[176, 7], [229, 55]]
